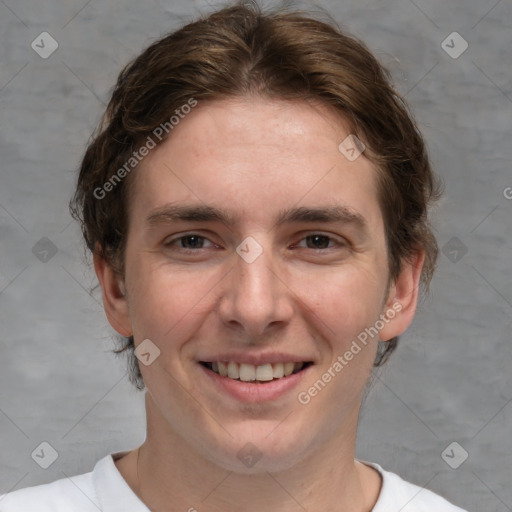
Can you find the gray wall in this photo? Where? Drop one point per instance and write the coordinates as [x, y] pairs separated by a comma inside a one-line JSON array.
[[450, 380]]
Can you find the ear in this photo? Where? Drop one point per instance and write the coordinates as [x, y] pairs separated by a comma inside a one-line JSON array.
[[113, 293], [402, 298]]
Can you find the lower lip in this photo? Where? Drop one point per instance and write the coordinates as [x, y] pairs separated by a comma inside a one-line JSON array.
[[255, 392]]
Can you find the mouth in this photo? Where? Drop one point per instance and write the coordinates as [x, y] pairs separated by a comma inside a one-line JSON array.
[[260, 374]]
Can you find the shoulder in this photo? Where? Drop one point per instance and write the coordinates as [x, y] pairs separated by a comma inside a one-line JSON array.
[[75, 493], [102, 489], [399, 495]]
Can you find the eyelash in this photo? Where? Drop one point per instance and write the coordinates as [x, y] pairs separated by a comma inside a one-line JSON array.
[[191, 235]]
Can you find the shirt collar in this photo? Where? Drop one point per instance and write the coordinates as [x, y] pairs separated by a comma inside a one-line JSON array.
[[114, 494]]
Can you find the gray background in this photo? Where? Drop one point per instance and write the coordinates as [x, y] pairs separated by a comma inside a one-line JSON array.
[[450, 380]]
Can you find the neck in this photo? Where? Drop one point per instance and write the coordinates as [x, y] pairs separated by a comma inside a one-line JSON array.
[[169, 475]]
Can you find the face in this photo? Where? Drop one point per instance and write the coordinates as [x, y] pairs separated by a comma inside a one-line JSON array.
[[253, 239]]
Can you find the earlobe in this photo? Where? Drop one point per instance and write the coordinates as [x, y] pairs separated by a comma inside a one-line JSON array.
[[114, 296], [402, 298]]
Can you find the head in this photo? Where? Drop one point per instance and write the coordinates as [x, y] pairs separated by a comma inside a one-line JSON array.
[[243, 113]]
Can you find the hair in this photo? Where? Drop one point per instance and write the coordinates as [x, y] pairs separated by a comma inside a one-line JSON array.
[[286, 54]]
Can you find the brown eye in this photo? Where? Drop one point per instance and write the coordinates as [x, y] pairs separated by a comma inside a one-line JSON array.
[[318, 241], [190, 242], [193, 242]]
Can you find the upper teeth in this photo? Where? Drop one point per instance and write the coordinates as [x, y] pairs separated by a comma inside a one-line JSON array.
[[249, 372]]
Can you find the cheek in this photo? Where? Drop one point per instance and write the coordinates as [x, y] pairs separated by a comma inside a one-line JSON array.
[[165, 304], [344, 309], [344, 302]]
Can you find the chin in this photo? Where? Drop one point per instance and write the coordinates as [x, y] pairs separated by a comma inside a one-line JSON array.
[[260, 451]]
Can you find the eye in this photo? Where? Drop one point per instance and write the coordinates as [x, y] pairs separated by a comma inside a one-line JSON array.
[[319, 241], [190, 242]]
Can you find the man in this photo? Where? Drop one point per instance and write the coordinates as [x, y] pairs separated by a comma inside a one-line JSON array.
[[256, 201]]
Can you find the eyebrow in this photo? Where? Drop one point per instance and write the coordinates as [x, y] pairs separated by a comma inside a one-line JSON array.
[[203, 213]]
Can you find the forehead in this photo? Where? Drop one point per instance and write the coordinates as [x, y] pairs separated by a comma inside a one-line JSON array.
[[241, 154]]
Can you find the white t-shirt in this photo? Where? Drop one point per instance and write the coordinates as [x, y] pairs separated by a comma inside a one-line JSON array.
[[104, 489]]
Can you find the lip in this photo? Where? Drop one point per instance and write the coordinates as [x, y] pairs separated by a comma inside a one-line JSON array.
[[251, 392]]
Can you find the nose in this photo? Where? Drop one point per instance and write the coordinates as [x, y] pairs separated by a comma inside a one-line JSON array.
[[255, 297]]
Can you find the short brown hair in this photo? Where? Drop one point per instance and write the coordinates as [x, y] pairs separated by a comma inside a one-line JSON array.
[[284, 54]]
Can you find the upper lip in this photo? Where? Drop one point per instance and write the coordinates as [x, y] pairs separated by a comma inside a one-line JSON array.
[[256, 359]]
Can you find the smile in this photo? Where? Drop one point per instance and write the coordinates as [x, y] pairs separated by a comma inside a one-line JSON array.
[[252, 373]]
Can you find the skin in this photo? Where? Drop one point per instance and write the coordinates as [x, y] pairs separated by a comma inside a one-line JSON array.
[[254, 156]]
